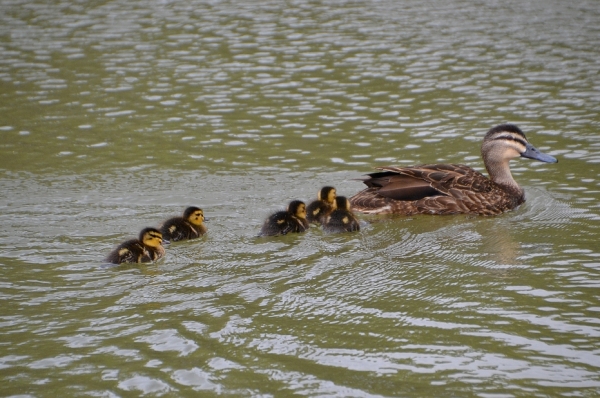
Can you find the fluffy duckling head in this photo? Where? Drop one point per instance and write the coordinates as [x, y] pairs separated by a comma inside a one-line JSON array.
[[297, 208], [327, 194], [342, 203], [151, 237], [194, 215]]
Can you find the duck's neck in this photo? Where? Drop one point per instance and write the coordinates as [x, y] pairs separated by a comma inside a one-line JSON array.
[[499, 171]]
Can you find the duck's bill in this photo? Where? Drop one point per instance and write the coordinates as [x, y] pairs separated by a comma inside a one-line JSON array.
[[531, 152]]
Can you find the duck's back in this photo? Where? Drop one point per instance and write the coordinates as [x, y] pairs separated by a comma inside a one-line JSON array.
[[177, 228], [282, 223], [433, 189], [131, 251], [317, 211], [341, 220]]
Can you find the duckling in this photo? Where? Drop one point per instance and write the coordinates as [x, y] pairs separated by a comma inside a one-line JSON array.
[[317, 211], [283, 222], [452, 188], [190, 226], [146, 249], [341, 219]]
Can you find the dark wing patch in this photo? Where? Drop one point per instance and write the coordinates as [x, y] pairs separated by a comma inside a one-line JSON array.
[[175, 229], [276, 224], [317, 211], [127, 252], [401, 187], [341, 221]]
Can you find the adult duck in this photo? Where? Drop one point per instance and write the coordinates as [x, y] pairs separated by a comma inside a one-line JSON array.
[[452, 188]]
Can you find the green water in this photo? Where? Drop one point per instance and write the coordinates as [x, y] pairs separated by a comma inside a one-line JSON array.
[[117, 115]]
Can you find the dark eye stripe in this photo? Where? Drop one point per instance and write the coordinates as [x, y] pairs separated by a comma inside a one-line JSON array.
[[511, 138]]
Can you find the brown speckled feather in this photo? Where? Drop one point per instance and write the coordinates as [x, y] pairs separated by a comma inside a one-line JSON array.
[[435, 189]]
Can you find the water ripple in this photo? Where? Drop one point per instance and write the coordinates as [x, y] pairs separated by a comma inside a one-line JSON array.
[[121, 115]]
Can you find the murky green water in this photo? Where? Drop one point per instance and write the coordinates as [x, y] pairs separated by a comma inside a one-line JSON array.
[[116, 115]]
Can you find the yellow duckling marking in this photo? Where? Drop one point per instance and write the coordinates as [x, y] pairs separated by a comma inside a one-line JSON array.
[[331, 197], [301, 211], [330, 192], [153, 239], [123, 251], [345, 220], [172, 228], [197, 217]]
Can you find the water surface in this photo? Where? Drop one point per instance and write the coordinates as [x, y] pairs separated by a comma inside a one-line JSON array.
[[117, 115]]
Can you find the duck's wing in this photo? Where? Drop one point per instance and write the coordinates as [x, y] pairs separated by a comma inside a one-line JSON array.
[[341, 221], [175, 229], [127, 252], [399, 186], [276, 224], [430, 180], [297, 225], [317, 210], [430, 189]]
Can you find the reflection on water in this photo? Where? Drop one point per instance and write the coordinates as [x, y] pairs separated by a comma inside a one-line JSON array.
[[116, 116]]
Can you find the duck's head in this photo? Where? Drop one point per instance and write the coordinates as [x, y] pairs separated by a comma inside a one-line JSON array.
[[194, 215], [503, 143], [507, 141], [151, 237], [297, 208], [327, 194], [342, 203]]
